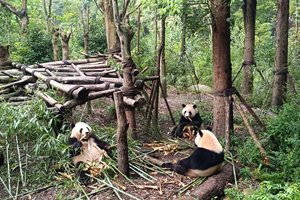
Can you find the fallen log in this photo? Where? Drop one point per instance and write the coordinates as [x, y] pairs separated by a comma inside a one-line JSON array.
[[50, 101], [252, 134], [93, 95], [18, 99], [214, 185], [23, 81], [80, 61], [12, 94]]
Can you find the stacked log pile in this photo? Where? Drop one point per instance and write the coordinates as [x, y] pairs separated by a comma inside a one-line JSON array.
[[12, 84], [80, 80]]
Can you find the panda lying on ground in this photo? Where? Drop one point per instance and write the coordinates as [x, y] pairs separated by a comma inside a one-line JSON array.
[[88, 149], [190, 120], [206, 159]]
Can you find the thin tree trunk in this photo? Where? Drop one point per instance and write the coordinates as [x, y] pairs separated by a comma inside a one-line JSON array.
[[55, 35], [126, 34], [183, 31], [112, 39], [4, 54], [281, 55], [162, 60], [138, 31], [221, 62], [65, 38], [249, 11], [122, 146]]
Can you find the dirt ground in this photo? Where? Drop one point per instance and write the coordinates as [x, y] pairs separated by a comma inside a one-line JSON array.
[[165, 185]]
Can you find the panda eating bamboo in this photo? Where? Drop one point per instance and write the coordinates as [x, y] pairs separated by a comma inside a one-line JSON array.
[[190, 120], [88, 149]]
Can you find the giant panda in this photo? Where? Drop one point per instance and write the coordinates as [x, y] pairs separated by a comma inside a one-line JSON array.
[[206, 159], [190, 120], [86, 148]]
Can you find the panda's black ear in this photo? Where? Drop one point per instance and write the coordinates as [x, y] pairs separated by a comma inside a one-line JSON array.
[[194, 106], [183, 105], [72, 125]]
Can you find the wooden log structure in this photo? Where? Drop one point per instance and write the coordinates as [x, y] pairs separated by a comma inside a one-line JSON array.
[[76, 92], [50, 101], [80, 61], [24, 80], [122, 146]]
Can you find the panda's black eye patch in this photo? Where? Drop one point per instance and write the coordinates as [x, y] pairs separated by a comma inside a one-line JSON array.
[[81, 130]]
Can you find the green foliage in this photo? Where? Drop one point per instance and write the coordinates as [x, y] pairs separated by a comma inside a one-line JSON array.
[[270, 191], [36, 47], [284, 133]]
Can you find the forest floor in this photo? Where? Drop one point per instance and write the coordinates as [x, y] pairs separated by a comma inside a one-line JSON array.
[[166, 185]]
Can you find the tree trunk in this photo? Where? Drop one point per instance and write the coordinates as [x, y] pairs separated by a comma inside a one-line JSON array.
[[112, 39], [55, 35], [221, 62], [86, 28], [183, 30], [126, 34], [162, 60], [281, 55], [122, 146], [47, 12], [138, 31], [65, 38], [4, 54], [249, 12]]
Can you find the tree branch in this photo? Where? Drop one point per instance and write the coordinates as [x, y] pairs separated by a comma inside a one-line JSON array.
[[10, 7]]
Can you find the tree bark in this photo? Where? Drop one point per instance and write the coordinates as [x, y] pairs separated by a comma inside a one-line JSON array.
[[221, 61], [65, 38], [162, 60], [281, 55], [138, 31], [249, 12], [122, 147], [55, 35], [215, 184], [112, 39], [4, 53], [125, 34], [183, 30], [86, 27]]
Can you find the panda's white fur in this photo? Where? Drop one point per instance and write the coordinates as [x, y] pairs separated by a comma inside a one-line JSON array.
[[189, 111], [90, 151], [190, 119], [206, 159], [208, 141]]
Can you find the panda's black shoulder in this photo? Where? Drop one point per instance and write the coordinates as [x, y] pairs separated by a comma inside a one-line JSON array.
[[100, 143], [183, 120]]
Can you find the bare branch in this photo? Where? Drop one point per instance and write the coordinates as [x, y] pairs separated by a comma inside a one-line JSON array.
[[10, 7]]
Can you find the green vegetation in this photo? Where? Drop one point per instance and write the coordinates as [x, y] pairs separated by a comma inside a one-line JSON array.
[[33, 152]]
